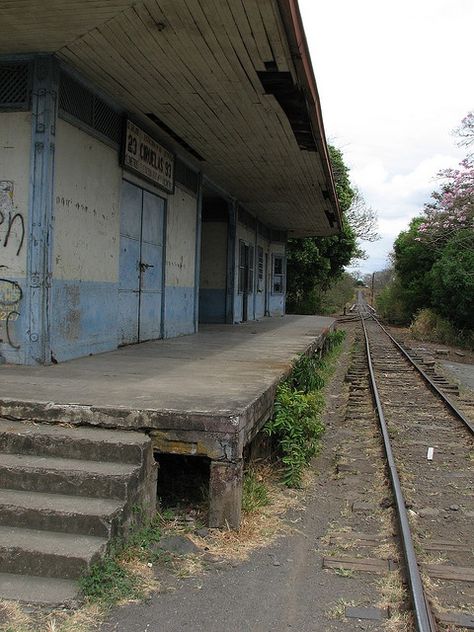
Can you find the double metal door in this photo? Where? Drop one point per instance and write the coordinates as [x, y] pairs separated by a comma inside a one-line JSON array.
[[141, 265]]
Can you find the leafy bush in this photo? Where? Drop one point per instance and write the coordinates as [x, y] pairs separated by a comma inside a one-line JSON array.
[[297, 426], [392, 304], [306, 376], [430, 327], [335, 338]]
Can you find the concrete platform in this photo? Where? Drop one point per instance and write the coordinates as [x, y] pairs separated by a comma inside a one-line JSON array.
[[463, 373], [206, 394]]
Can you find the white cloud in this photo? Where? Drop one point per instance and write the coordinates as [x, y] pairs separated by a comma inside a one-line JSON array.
[[394, 81]]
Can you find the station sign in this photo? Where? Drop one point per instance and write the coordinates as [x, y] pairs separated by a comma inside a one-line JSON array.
[[144, 156]]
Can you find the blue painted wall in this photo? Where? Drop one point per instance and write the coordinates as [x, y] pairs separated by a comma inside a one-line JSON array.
[[84, 318], [179, 311]]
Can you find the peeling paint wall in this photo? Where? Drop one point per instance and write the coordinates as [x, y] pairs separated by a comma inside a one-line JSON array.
[[15, 150], [86, 244], [213, 283], [180, 263]]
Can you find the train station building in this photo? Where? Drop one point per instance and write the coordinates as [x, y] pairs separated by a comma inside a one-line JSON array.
[[155, 158]]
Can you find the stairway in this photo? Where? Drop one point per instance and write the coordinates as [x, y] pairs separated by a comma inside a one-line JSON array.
[[64, 493]]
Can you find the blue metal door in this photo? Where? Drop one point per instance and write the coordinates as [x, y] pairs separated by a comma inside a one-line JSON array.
[[141, 265]]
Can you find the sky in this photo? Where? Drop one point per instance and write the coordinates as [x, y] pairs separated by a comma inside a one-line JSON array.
[[394, 79]]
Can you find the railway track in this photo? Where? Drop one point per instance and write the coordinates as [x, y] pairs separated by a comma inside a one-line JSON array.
[[428, 443]]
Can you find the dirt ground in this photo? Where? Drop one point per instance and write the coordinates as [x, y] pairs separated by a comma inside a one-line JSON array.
[[282, 586]]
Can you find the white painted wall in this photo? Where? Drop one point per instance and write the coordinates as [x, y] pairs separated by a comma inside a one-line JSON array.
[[15, 146], [181, 239], [15, 149], [87, 202], [180, 267]]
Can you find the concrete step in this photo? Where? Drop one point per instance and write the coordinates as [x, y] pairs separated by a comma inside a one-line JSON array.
[[93, 444], [48, 553], [47, 591], [58, 512], [67, 476]]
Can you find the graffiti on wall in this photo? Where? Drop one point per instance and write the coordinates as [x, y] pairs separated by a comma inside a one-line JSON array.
[[12, 237]]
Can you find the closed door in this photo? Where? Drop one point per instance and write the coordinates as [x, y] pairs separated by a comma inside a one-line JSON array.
[[141, 265]]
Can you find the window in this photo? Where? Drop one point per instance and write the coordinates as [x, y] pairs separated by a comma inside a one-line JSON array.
[[242, 266], [260, 269], [251, 250], [246, 267], [278, 285]]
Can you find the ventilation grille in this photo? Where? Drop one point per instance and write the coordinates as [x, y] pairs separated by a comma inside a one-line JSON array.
[[79, 102], [186, 176], [15, 91]]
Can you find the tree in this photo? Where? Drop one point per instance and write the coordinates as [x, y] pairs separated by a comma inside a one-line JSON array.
[[452, 280], [362, 218], [465, 132], [434, 258], [314, 263]]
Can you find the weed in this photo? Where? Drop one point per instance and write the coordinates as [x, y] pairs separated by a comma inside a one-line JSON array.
[[306, 375], [255, 493], [344, 572], [299, 402], [114, 578], [297, 426]]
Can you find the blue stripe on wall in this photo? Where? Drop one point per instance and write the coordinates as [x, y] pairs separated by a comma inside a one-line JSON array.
[[179, 311], [83, 319]]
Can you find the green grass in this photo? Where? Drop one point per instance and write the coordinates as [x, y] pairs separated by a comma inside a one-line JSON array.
[[255, 493]]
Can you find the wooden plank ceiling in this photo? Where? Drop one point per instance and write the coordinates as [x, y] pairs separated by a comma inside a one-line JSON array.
[[194, 65]]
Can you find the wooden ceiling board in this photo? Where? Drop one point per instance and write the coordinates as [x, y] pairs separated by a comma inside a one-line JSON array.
[[194, 64]]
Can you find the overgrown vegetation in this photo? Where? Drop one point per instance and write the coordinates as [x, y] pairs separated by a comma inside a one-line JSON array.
[[116, 577], [434, 259], [255, 492], [297, 421]]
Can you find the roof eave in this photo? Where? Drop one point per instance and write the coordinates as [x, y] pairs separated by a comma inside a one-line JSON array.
[[293, 23]]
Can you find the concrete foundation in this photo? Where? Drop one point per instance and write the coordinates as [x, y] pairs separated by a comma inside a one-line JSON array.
[[225, 494], [203, 395]]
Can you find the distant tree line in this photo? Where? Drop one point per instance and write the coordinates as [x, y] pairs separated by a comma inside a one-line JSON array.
[[316, 264]]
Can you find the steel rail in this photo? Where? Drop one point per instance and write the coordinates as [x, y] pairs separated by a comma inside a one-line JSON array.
[[432, 385], [425, 621]]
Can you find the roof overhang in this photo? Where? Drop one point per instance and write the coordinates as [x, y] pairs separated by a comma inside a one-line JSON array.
[[228, 85]]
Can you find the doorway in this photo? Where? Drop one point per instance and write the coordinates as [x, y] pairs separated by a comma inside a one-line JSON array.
[[141, 265], [246, 276], [213, 280]]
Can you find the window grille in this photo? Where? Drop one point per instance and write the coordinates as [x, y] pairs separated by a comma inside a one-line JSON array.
[[278, 285], [15, 86], [186, 176], [80, 103]]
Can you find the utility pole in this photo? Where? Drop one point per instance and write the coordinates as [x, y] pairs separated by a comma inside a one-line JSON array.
[[372, 290]]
